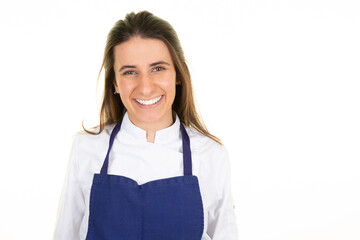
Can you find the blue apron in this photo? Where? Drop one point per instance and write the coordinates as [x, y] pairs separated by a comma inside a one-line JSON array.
[[163, 209]]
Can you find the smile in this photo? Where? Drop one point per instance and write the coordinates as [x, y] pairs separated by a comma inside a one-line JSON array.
[[149, 102]]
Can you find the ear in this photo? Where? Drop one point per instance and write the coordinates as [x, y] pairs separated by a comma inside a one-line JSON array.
[[116, 87], [178, 82]]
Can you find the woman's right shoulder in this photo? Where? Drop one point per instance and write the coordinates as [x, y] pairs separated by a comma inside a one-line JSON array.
[[88, 151], [84, 138]]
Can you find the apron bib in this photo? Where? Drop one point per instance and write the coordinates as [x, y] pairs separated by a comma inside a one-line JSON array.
[[164, 209]]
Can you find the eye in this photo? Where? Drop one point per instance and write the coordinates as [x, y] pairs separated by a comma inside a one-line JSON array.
[[129, 73], [158, 69]]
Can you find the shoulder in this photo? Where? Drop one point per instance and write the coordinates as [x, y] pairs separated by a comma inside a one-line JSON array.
[[211, 161], [86, 141], [88, 151], [201, 143]]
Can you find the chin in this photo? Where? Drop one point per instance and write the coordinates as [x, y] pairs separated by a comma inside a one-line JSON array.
[[149, 117]]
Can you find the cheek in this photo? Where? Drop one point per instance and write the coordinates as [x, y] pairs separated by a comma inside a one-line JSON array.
[[125, 88], [170, 83]]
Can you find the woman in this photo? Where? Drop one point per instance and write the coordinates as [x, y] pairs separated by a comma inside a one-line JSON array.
[[164, 175]]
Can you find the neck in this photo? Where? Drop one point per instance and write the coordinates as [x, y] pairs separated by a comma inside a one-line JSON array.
[[152, 128], [150, 136]]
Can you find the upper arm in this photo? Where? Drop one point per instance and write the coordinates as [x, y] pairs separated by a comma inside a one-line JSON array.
[[71, 205], [221, 219]]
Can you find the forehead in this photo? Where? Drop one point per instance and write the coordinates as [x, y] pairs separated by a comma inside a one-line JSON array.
[[141, 51]]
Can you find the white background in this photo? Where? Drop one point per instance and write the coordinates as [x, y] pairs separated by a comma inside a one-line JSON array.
[[277, 81]]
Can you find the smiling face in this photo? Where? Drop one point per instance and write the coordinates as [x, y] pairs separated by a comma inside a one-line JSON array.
[[146, 81]]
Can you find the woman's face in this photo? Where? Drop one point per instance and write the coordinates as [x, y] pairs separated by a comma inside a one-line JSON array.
[[146, 81]]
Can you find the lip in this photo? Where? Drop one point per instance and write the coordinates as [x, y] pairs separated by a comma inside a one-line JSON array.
[[149, 98], [149, 106]]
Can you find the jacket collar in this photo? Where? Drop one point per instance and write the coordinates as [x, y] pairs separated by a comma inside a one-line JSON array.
[[162, 136]]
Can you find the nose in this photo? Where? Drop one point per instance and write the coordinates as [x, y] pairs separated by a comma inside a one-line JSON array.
[[146, 85]]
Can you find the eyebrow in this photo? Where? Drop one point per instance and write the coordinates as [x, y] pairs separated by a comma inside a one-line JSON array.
[[151, 65]]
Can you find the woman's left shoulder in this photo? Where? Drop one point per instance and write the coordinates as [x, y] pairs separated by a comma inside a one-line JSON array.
[[211, 159], [199, 142]]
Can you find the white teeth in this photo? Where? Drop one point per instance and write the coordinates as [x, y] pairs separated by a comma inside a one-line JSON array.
[[149, 102]]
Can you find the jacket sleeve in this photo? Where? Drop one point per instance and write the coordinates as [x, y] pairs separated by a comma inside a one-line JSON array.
[[72, 205], [222, 219]]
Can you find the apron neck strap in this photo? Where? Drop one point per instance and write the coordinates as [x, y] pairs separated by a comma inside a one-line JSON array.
[[187, 163]]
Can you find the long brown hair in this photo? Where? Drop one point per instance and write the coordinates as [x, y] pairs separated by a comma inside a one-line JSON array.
[[146, 25]]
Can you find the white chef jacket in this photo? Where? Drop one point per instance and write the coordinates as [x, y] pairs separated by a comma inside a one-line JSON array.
[[133, 157]]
